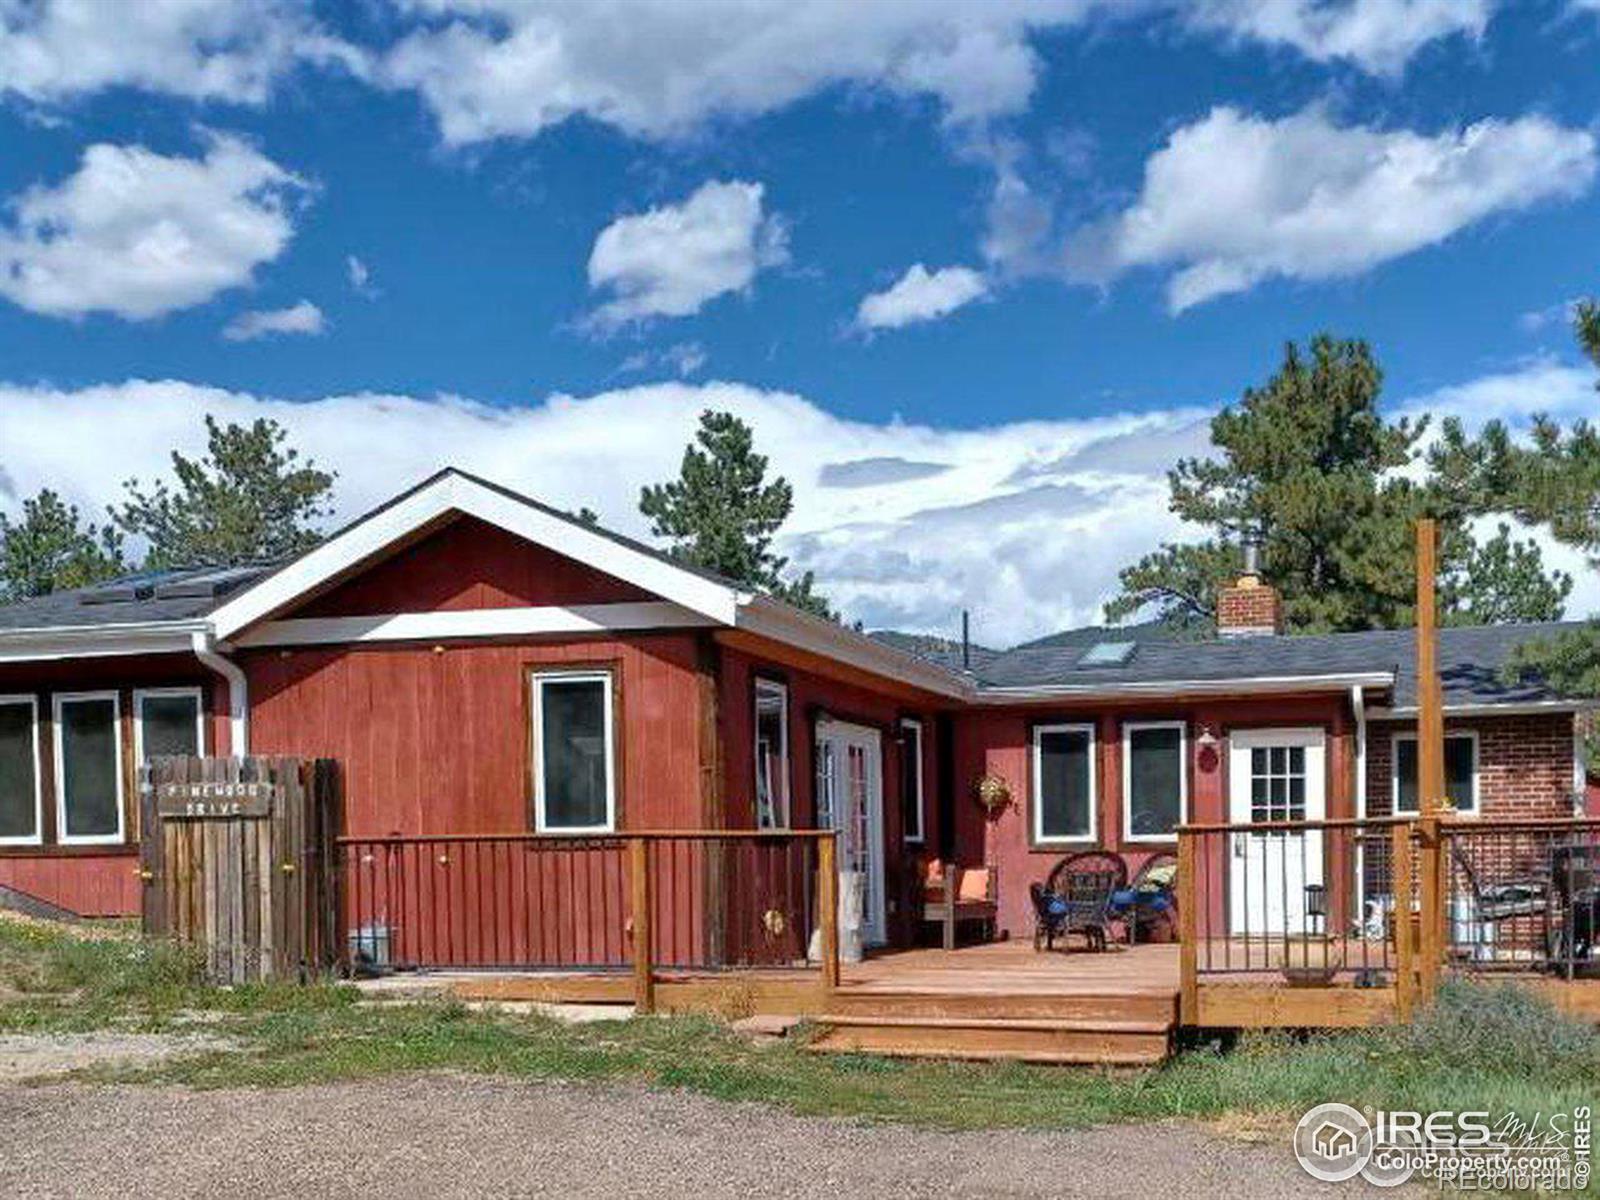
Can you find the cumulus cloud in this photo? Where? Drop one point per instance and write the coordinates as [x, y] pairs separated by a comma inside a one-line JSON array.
[[138, 234], [53, 50], [303, 318], [672, 260], [1379, 35], [1024, 523], [921, 295], [1234, 199]]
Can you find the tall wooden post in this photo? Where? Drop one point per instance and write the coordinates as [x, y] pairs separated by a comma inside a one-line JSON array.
[[644, 992], [828, 910], [1430, 760]]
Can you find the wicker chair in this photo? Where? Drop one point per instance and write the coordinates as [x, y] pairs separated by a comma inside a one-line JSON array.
[[1077, 898], [1150, 902]]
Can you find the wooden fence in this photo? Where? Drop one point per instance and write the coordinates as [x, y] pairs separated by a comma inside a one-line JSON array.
[[235, 856]]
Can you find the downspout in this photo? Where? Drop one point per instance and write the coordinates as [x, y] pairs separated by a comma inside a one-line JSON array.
[[205, 649], [1358, 705]]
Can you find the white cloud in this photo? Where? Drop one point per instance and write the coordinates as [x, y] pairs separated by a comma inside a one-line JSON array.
[[1234, 199], [360, 277], [1025, 523], [139, 234], [672, 260], [1379, 35], [53, 50], [921, 295], [304, 318]]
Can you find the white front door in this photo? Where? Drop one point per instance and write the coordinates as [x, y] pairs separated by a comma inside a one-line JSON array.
[[1274, 775], [850, 799]]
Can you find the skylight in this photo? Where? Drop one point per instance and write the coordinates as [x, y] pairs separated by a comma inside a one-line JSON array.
[[1107, 654]]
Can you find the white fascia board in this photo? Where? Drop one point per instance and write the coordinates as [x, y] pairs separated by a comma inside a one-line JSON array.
[[454, 493], [472, 623], [1177, 688], [1485, 708], [98, 641], [784, 623]]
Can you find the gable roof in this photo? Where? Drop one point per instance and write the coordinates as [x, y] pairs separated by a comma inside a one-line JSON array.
[[451, 492]]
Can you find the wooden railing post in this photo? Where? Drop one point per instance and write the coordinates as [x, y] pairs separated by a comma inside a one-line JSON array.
[[644, 996], [828, 910], [1188, 924], [1401, 883]]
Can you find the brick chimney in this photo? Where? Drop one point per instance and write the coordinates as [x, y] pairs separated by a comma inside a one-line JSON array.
[[1249, 607]]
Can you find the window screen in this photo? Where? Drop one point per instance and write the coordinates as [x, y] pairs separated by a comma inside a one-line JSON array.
[[574, 741], [1460, 765], [169, 725], [91, 799], [19, 779], [1155, 780], [1063, 783]]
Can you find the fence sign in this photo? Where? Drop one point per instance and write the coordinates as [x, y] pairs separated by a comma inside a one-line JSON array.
[[212, 800]]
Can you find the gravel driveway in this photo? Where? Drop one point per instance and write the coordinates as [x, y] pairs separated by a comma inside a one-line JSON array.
[[448, 1136]]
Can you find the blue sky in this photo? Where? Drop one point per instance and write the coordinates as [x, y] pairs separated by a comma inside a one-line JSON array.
[[1023, 248]]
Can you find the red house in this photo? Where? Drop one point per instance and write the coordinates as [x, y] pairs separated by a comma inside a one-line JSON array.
[[480, 663]]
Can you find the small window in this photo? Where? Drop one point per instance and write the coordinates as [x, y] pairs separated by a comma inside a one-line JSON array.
[[19, 771], [89, 767], [574, 789], [1277, 783], [1460, 772], [772, 755], [167, 721], [911, 778], [1155, 787], [1063, 783]]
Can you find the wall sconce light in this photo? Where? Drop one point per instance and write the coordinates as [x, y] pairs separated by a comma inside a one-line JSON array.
[[1209, 749]]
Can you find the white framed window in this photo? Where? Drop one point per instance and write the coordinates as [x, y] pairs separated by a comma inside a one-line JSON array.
[[1155, 780], [88, 762], [1460, 772], [168, 721], [574, 759], [21, 792], [772, 754], [1063, 784], [911, 779]]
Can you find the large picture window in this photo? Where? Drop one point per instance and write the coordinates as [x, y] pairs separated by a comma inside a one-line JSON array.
[[1063, 783], [911, 779], [167, 721], [573, 759], [772, 754], [88, 759], [1460, 772], [1155, 787], [19, 771]]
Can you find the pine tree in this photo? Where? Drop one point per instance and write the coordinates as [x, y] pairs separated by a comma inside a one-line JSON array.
[[49, 550], [250, 499], [1308, 464], [721, 513]]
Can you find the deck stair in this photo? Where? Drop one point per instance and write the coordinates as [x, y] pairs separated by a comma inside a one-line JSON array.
[[1130, 1029]]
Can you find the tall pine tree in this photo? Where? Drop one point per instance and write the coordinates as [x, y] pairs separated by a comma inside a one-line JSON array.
[[721, 513], [50, 549], [1309, 464]]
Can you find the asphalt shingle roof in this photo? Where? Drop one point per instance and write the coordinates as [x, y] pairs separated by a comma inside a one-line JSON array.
[[149, 596]]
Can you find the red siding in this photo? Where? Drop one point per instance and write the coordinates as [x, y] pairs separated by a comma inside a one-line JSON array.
[[998, 742], [470, 564], [99, 883]]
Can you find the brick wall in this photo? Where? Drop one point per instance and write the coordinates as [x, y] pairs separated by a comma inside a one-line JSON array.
[[1524, 764], [1249, 606]]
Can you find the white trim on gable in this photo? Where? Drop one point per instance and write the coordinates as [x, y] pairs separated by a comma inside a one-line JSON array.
[[451, 493], [471, 623]]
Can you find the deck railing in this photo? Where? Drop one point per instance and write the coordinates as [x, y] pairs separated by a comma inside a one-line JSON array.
[[1393, 903], [648, 901]]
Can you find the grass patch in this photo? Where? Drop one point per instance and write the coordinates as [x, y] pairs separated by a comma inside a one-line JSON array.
[[1497, 1048]]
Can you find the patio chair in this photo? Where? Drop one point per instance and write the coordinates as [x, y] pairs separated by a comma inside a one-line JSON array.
[[1475, 932], [951, 894], [1150, 902], [1077, 898]]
